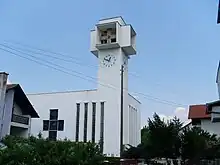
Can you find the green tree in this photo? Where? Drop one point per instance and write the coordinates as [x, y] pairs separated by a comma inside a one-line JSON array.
[[164, 138], [44, 152], [195, 144], [158, 139]]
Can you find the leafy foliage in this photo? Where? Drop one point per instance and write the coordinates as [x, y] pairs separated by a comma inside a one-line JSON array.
[[44, 152], [195, 144], [164, 139], [167, 139]]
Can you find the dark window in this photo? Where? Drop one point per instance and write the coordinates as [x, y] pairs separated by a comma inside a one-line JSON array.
[[53, 114], [53, 125], [93, 121], [20, 119], [85, 122], [102, 127], [216, 119], [103, 41], [52, 135], [113, 40], [196, 122], [45, 125], [77, 121], [60, 125]]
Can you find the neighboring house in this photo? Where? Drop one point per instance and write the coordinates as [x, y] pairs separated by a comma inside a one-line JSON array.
[[16, 111], [95, 115], [207, 116]]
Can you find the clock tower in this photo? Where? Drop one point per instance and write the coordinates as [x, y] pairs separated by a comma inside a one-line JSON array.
[[113, 42]]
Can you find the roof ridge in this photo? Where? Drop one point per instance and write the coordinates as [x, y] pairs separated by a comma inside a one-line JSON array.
[[67, 91]]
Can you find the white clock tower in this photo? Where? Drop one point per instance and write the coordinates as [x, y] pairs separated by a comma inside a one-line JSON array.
[[113, 42]]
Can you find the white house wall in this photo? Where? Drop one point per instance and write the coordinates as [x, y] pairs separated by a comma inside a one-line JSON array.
[[9, 99], [212, 127], [216, 113]]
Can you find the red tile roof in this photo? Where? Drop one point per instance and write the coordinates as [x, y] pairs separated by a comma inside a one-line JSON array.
[[198, 112]]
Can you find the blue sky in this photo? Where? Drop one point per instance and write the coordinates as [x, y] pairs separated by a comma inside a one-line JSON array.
[[177, 42]]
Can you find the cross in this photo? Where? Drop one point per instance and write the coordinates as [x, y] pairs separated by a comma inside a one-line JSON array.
[[53, 125]]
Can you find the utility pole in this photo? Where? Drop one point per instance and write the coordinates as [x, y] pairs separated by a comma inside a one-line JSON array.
[[122, 108]]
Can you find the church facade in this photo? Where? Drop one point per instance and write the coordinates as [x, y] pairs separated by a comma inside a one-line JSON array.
[[95, 115]]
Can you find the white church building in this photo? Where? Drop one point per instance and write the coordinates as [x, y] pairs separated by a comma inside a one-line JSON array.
[[95, 115]]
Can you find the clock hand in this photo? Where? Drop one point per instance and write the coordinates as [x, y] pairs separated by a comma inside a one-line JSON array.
[[106, 59]]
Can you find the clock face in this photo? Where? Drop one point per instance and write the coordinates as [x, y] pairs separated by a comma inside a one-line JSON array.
[[109, 60]]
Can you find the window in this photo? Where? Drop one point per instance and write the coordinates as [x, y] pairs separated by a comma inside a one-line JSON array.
[[53, 114], [77, 121], [60, 125], [85, 122], [103, 41], [53, 125], [52, 135], [102, 127], [45, 125], [93, 121], [113, 40], [196, 122]]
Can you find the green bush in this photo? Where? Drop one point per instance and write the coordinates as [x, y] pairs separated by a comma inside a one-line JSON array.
[[34, 151]]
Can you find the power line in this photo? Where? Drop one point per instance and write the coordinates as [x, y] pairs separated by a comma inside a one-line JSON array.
[[73, 59], [69, 59], [149, 97], [76, 74], [51, 56]]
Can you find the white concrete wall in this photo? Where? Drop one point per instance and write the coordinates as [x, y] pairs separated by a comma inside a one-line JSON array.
[[3, 81], [134, 121], [213, 128], [9, 99], [113, 19], [125, 36], [93, 41], [217, 114], [66, 102], [111, 93], [218, 86]]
